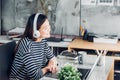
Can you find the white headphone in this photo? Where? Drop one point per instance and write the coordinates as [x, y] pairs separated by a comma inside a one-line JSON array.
[[36, 33]]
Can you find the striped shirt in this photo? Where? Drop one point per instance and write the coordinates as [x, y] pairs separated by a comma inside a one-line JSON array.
[[30, 58]]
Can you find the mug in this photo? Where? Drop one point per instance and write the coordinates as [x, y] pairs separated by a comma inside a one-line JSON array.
[[81, 57]]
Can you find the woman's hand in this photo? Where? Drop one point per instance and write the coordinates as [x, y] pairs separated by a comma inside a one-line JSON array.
[[52, 65]]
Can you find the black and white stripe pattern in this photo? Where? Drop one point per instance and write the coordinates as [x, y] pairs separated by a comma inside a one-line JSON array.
[[30, 58]]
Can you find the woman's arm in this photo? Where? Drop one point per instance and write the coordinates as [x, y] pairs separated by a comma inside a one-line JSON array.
[[33, 70], [52, 64]]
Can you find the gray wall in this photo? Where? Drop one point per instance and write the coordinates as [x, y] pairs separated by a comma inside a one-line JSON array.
[[8, 14], [15, 14], [63, 13], [67, 17], [23, 9], [101, 19]]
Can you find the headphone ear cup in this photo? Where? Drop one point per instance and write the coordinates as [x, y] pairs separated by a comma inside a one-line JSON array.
[[36, 34]]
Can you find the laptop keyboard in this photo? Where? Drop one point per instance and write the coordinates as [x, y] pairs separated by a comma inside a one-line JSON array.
[[51, 75], [84, 73]]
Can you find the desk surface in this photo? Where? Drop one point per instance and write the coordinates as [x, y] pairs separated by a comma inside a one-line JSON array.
[[83, 44], [89, 61]]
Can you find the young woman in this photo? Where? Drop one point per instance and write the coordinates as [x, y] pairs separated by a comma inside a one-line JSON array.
[[33, 57]]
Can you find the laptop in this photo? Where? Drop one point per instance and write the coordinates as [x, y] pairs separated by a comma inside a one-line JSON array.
[[86, 73]]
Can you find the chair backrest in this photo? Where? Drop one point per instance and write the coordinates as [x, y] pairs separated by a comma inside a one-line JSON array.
[[6, 59]]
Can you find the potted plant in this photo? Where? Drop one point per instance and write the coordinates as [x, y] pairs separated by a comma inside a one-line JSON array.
[[68, 72]]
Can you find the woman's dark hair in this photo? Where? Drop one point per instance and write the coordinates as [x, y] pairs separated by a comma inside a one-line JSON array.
[[29, 27]]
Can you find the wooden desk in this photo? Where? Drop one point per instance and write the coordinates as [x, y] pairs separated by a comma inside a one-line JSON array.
[[82, 44], [101, 48]]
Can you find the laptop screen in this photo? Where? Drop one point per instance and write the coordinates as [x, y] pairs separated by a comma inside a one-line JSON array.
[[91, 73]]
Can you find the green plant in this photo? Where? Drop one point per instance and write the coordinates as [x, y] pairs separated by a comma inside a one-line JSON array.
[[68, 72]]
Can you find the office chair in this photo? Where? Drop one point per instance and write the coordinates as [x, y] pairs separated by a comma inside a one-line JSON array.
[[6, 59]]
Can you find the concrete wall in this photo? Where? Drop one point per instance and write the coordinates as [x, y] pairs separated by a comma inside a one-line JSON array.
[[23, 9], [15, 14], [101, 19], [63, 14], [8, 14], [68, 17]]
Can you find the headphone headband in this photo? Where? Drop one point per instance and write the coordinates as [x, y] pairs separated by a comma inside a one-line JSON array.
[[36, 33], [35, 21]]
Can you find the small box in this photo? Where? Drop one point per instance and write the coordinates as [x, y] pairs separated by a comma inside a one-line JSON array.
[[110, 40]]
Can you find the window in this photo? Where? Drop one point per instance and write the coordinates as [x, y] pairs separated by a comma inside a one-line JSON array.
[[88, 2], [106, 2]]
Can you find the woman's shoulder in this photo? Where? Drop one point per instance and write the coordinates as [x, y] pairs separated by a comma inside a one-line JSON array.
[[25, 41], [44, 40], [24, 44]]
